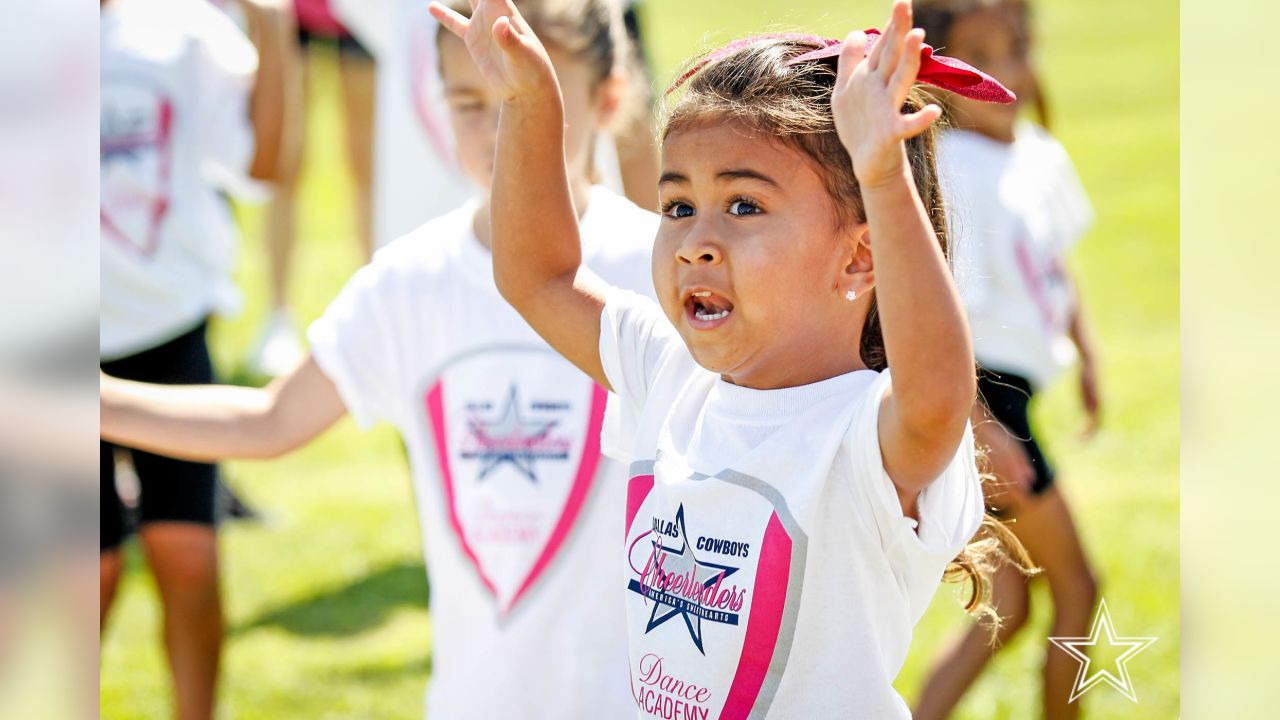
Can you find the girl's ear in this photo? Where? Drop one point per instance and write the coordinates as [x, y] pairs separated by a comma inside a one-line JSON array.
[[611, 96], [859, 274]]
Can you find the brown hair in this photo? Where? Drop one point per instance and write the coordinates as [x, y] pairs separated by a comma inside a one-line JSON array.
[[590, 31], [936, 18], [992, 546], [753, 85]]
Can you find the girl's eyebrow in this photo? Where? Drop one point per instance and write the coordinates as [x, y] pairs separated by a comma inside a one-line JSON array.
[[746, 174], [734, 174]]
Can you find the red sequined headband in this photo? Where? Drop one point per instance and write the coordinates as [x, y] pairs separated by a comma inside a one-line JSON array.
[[940, 71]]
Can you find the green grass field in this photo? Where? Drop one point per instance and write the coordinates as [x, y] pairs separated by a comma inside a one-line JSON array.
[[326, 600]]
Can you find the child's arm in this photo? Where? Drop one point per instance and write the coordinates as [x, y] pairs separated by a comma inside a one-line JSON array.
[[923, 416], [537, 254], [213, 422], [1080, 334]]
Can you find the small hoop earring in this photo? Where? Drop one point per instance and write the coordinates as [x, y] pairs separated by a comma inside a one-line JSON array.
[[850, 296]]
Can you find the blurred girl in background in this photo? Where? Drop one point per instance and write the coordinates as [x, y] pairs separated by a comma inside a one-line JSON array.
[[187, 112], [1017, 211], [278, 348], [519, 511]]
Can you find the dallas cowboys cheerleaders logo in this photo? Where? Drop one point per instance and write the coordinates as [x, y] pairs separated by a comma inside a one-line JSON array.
[[516, 435], [680, 580], [137, 156], [509, 437]]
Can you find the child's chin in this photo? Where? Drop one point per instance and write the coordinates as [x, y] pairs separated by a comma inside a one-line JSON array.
[[710, 358]]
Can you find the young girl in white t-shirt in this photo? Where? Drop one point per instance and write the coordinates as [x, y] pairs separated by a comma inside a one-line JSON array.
[[1018, 209], [792, 505], [519, 511], [180, 87]]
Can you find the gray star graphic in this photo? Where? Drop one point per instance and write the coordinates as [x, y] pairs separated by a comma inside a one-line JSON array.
[[511, 438]]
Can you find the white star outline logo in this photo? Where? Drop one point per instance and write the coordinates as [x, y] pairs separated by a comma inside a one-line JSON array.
[[1085, 680], [510, 438]]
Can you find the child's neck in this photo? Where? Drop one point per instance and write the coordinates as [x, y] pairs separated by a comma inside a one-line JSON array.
[[1003, 136], [821, 359], [1001, 132], [481, 225]]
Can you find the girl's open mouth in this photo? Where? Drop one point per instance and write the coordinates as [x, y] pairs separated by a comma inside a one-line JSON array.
[[705, 310]]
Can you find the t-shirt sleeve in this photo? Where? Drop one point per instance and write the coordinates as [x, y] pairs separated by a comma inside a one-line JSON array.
[[950, 508], [356, 347], [1072, 212], [634, 337], [970, 233]]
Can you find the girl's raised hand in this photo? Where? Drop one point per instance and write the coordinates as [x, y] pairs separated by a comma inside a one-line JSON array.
[[869, 94], [503, 46]]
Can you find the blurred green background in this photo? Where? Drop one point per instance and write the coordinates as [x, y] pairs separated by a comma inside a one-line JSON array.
[[326, 599]]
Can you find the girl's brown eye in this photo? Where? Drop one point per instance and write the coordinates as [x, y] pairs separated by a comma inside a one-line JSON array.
[[678, 210]]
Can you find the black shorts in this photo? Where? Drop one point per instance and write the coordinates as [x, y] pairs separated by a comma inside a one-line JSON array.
[[170, 490], [347, 44], [1007, 396]]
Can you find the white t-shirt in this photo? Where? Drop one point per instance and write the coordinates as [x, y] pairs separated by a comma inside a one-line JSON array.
[[175, 132], [417, 175], [520, 514], [774, 506], [1016, 210]]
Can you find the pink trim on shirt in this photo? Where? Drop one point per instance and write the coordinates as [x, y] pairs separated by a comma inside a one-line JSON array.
[[435, 408], [582, 481], [577, 494], [638, 488], [159, 205], [769, 599], [1035, 286]]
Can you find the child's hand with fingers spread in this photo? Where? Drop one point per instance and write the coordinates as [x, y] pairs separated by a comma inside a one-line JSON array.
[[507, 52], [869, 94]]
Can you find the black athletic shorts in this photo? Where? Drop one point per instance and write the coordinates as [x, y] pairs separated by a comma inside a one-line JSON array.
[[170, 490], [347, 44], [1007, 396]]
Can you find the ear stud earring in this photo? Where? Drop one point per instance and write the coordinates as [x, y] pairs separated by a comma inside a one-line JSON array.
[[850, 295]]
